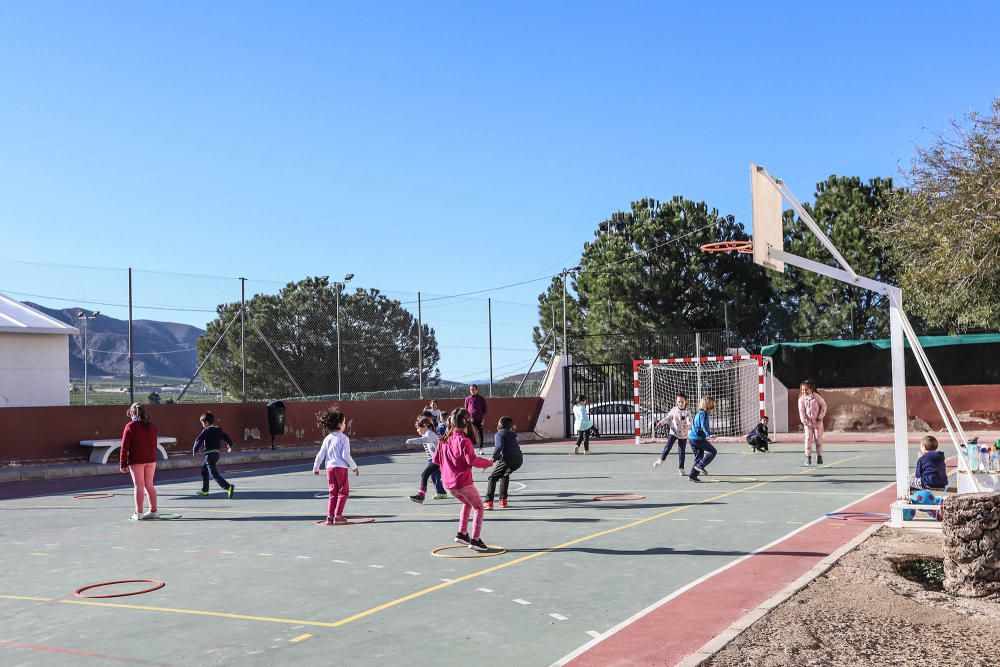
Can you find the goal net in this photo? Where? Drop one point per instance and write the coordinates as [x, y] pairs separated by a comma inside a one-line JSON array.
[[735, 382]]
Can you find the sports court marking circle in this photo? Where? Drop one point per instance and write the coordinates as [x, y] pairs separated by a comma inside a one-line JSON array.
[[734, 480], [350, 522], [870, 517], [620, 496], [499, 551], [157, 584], [522, 484], [93, 496]]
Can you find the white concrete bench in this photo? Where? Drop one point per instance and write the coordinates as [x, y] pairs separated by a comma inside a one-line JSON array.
[[101, 450]]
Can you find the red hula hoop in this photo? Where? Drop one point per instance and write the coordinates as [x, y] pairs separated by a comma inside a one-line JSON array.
[[93, 496], [350, 522], [157, 584]]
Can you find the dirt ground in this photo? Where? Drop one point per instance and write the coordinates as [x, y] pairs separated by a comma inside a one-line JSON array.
[[861, 612]]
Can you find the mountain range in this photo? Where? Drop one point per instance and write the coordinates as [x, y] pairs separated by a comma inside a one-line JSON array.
[[162, 349]]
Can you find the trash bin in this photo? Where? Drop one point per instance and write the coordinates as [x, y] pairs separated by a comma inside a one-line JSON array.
[[275, 419]]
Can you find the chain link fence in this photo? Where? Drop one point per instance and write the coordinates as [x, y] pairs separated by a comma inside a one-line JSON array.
[[173, 337]]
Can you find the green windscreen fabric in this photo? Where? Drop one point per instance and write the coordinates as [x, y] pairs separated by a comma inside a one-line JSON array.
[[965, 359]]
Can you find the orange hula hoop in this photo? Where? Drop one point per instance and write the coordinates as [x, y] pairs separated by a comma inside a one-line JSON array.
[[729, 246]]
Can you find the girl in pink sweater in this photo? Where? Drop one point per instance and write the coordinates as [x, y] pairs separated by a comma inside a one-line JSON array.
[[456, 457], [812, 409]]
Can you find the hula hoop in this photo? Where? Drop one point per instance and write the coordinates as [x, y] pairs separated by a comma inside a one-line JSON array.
[[350, 522], [620, 496], [157, 585], [732, 480], [475, 554], [745, 247], [869, 517], [93, 496], [166, 517]]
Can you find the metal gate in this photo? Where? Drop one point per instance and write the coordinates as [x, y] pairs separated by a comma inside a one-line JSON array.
[[609, 391]]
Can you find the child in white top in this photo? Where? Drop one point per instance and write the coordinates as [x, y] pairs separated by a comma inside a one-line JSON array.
[[429, 439], [582, 424], [812, 409], [678, 422], [336, 454]]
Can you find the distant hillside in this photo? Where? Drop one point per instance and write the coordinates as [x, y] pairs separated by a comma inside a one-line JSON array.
[[163, 349]]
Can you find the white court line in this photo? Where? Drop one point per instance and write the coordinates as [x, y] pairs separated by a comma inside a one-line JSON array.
[[447, 580], [117, 547], [659, 603], [152, 549], [377, 566], [412, 573], [227, 552], [304, 557], [340, 561], [520, 601], [594, 634], [265, 554], [485, 590], [558, 617]]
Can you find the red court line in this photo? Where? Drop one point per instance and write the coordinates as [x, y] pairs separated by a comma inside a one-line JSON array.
[[83, 654], [682, 625]]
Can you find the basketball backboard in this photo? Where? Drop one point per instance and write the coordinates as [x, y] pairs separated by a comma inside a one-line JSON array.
[[767, 232]]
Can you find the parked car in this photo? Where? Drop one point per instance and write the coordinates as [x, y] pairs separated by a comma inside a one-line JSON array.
[[617, 418]]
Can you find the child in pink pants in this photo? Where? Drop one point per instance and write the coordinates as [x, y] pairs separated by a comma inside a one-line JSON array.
[[812, 409], [456, 457], [336, 454]]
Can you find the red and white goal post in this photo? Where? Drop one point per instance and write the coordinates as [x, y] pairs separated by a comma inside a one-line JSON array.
[[736, 382]]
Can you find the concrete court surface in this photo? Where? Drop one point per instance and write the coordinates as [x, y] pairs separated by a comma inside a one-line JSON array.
[[253, 580]]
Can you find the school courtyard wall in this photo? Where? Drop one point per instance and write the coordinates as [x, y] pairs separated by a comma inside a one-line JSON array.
[[39, 434], [868, 409]]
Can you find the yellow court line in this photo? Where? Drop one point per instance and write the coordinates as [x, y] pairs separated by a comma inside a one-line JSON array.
[[431, 589], [293, 640]]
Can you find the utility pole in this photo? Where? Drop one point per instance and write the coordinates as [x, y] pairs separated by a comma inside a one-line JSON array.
[[420, 348], [81, 315], [243, 334], [565, 273], [339, 286]]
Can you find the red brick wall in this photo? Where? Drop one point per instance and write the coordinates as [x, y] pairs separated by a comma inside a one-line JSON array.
[[870, 408], [33, 434]]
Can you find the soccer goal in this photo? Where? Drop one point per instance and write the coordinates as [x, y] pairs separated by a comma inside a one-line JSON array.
[[736, 382]]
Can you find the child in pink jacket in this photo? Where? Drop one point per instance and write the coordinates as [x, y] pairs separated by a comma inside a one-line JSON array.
[[456, 457], [812, 409]]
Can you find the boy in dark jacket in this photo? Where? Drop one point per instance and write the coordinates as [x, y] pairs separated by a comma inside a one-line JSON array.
[[757, 438], [508, 458], [931, 472]]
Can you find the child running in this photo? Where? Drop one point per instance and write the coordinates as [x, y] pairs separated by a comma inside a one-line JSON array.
[[678, 421], [812, 409], [582, 424], [336, 453], [211, 438], [698, 437], [138, 458], [429, 439], [457, 457], [508, 458]]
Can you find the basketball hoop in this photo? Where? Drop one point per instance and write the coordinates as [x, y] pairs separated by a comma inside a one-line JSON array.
[[745, 247]]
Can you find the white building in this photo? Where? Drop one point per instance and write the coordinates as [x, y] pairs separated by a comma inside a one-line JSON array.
[[34, 357]]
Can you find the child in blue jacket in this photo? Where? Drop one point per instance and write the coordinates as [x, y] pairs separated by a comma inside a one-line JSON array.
[[698, 439]]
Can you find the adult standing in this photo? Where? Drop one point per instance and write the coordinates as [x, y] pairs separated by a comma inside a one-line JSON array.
[[138, 457], [476, 405]]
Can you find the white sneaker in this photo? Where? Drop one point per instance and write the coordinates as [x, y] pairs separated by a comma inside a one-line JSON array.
[[682, 473], [136, 517], [658, 463], [151, 515]]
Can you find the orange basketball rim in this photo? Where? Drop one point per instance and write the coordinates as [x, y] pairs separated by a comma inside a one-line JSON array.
[[729, 246]]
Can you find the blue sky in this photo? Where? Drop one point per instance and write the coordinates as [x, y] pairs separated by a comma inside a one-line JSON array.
[[440, 147]]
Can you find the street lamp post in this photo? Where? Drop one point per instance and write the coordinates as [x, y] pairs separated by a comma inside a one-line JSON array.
[[339, 286], [81, 315]]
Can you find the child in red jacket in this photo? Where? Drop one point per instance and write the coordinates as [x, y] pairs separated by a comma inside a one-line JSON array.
[[456, 457], [138, 457]]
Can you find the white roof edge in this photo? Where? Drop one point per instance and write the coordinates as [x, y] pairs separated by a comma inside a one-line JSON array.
[[16, 317]]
